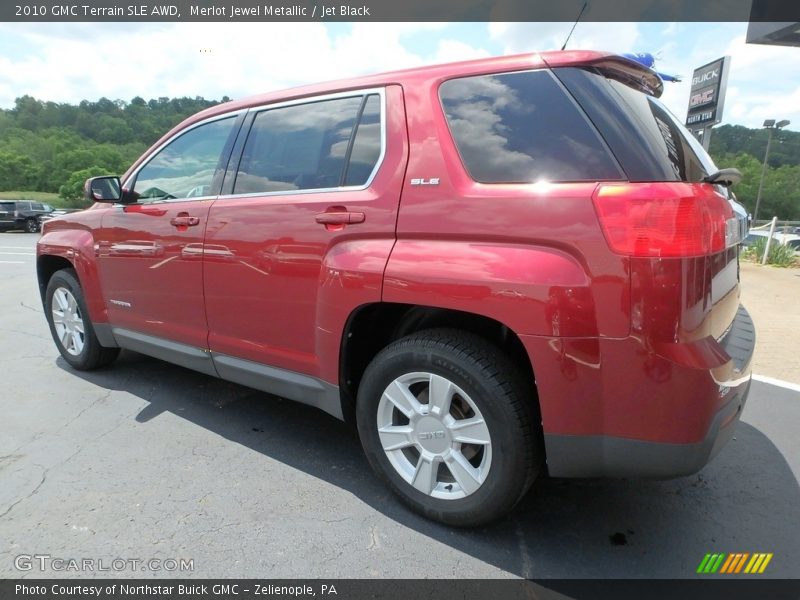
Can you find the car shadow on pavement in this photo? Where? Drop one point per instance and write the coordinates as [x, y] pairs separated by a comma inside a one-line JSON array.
[[746, 500]]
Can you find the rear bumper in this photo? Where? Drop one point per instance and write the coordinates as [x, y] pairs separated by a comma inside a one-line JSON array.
[[644, 426], [609, 456]]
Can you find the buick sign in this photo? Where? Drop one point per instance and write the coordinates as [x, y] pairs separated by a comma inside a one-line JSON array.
[[707, 94]]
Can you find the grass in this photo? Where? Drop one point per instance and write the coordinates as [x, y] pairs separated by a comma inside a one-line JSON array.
[[48, 197], [779, 255]]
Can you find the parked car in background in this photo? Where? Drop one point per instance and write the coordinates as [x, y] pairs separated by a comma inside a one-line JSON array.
[[792, 240], [491, 267], [58, 212], [22, 215], [789, 239], [757, 234]]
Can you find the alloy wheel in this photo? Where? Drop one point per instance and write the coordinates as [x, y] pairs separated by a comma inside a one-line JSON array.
[[434, 435], [68, 321]]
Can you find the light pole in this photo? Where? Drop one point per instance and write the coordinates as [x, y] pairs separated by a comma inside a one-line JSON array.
[[769, 125]]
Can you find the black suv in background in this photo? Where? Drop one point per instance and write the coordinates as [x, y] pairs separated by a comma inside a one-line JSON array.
[[22, 214]]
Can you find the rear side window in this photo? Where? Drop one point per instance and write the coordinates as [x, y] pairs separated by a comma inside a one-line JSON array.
[[522, 127], [366, 143], [7, 206], [317, 145]]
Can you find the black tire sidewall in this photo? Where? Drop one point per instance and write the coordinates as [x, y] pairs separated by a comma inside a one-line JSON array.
[[507, 479], [91, 347]]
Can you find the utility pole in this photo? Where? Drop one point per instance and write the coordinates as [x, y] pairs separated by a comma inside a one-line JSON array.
[[770, 125]]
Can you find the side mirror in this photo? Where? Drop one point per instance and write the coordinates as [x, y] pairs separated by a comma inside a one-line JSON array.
[[103, 189]]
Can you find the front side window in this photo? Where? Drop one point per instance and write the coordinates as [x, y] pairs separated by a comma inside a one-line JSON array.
[[521, 128], [186, 167], [317, 145]]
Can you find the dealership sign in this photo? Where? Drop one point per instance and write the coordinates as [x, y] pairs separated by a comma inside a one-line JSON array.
[[707, 95]]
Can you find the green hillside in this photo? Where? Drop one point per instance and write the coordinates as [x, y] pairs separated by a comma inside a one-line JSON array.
[[52, 147], [45, 144]]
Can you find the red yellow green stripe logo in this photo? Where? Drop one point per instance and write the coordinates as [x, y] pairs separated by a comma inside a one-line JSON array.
[[735, 562]]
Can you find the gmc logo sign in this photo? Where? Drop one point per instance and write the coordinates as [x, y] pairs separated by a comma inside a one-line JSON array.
[[703, 97]]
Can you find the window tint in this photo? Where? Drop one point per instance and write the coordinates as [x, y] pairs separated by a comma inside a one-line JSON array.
[[304, 147], [366, 144], [186, 167], [297, 147], [672, 141], [36, 206], [7, 206], [521, 127]]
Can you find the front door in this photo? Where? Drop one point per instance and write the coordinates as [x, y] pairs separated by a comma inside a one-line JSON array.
[[150, 252]]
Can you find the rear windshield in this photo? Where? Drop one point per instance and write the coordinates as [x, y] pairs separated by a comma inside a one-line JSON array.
[[648, 141], [686, 156], [523, 127]]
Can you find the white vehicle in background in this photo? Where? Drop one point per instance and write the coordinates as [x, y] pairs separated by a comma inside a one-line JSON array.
[[789, 239]]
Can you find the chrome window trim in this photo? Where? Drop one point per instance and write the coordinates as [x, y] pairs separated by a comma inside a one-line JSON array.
[[132, 177], [379, 91]]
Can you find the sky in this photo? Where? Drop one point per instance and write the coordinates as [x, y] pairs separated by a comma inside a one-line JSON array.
[[70, 62]]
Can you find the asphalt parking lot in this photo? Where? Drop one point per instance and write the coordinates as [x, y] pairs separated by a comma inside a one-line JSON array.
[[148, 460]]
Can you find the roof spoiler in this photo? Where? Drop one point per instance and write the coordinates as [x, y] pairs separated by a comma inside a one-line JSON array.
[[619, 68]]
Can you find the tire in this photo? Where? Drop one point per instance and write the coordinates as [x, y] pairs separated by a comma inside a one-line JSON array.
[[445, 464], [70, 326], [31, 226]]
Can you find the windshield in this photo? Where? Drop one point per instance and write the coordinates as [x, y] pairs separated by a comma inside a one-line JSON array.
[[667, 135]]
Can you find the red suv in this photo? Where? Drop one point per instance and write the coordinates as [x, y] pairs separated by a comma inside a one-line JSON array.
[[489, 266]]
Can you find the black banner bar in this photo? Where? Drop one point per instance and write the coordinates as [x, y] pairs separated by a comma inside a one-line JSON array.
[[731, 588], [405, 10]]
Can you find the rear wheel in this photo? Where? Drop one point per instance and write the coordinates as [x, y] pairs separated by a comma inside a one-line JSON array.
[[448, 421], [72, 330]]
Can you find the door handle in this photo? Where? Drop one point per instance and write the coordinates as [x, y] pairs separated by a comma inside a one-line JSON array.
[[184, 221], [340, 218]]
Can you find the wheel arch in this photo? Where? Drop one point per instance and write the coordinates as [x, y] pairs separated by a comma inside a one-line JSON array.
[[46, 266], [372, 327], [65, 249]]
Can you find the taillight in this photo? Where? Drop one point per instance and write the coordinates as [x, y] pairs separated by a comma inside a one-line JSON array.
[[663, 219]]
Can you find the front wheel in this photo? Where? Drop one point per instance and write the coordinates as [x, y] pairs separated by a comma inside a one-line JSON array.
[[72, 330], [448, 420], [31, 226]]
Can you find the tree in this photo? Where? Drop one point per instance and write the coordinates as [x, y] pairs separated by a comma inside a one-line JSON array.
[[17, 172], [72, 190]]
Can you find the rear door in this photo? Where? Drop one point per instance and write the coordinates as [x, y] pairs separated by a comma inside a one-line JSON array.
[[149, 257], [6, 214], [304, 227]]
